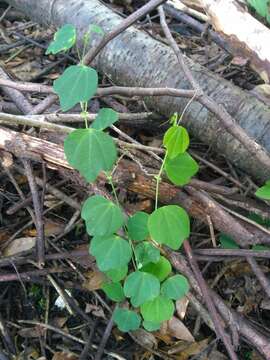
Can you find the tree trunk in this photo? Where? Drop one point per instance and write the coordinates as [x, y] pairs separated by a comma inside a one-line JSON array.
[[136, 59]]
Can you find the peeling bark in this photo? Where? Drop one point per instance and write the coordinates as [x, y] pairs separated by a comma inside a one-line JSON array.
[[248, 37], [136, 59]]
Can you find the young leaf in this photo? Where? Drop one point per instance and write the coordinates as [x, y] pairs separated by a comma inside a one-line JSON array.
[[114, 291], [161, 269], [141, 287], [176, 140], [96, 29], [175, 287], [169, 225], [151, 326], [111, 252], [63, 39], [117, 274], [264, 191], [102, 216], [90, 151], [137, 226], [146, 253], [181, 168], [105, 118], [77, 84], [157, 310], [227, 242], [126, 320]]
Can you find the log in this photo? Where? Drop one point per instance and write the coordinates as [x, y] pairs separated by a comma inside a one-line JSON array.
[[136, 59], [247, 36], [131, 177]]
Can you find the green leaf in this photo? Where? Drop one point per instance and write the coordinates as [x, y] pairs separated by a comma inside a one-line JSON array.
[[227, 242], [151, 326], [146, 253], [126, 320], [77, 84], [181, 168], [117, 274], [169, 225], [105, 118], [261, 7], [137, 226], [157, 310], [63, 39], [111, 252], [176, 140], [141, 287], [260, 247], [264, 191], [102, 216], [90, 151], [175, 287], [96, 29], [259, 220], [114, 291], [161, 269]]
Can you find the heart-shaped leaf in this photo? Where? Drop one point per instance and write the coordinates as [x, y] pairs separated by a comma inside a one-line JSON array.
[[161, 269], [90, 151], [105, 118], [181, 168], [157, 310], [78, 83], [176, 141], [117, 274], [146, 253], [137, 226], [175, 287], [114, 291], [169, 225], [111, 252], [102, 216], [63, 39], [141, 287], [126, 320]]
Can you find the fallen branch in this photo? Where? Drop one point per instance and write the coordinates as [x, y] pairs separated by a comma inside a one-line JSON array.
[[140, 52]]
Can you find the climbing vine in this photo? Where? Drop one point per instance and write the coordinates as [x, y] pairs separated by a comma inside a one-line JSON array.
[[129, 251]]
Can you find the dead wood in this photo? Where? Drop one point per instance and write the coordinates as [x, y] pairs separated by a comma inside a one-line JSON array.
[[122, 60]]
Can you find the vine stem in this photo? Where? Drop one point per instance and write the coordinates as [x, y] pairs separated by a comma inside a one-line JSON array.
[[134, 261], [158, 179]]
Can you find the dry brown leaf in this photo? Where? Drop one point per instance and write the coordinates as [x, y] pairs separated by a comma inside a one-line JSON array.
[[95, 310], [255, 356], [20, 245], [6, 158], [145, 338], [64, 355], [50, 228], [33, 332], [181, 307], [94, 280], [175, 328], [87, 261], [190, 350]]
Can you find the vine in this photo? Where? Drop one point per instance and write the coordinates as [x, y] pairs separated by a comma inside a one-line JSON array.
[[139, 277]]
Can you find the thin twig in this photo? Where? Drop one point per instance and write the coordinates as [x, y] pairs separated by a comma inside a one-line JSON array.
[[38, 212], [208, 301], [129, 21]]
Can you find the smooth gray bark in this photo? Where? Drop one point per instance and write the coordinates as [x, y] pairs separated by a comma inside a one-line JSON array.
[[136, 59]]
